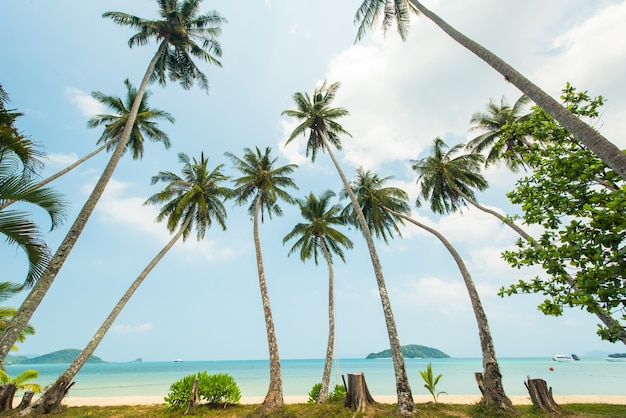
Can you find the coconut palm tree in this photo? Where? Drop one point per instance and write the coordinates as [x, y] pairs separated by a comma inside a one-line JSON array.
[[319, 120], [8, 290], [263, 183], [17, 226], [386, 206], [191, 201], [13, 384], [145, 127], [178, 31], [15, 148], [496, 141], [316, 236], [372, 12]]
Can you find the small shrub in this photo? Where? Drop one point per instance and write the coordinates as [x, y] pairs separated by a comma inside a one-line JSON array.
[[431, 381], [213, 389], [337, 394]]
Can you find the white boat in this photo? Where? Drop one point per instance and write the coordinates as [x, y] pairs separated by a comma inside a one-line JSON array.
[[565, 358], [616, 359], [178, 360]]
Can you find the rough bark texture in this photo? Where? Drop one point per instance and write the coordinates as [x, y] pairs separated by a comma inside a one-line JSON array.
[[358, 397], [323, 394], [7, 392], [26, 400], [492, 387], [602, 147], [274, 397], [193, 399], [541, 395], [39, 290], [406, 404]]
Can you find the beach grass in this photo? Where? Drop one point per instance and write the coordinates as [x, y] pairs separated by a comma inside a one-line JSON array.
[[332, 409]]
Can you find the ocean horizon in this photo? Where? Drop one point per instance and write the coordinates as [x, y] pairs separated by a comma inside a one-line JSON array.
[[113, 379]]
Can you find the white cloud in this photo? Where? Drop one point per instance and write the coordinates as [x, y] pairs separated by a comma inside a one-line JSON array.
[[57, 159], [84, 102], [116, 208]]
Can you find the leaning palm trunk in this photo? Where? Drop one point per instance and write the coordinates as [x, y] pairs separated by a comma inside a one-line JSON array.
[[323, 394], [38, 292], [63, 171], [406, 404], [274, 397], [52, 398], [601, 313], [493, 390], [602, 147]]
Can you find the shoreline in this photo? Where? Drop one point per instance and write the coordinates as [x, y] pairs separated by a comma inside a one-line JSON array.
[[443, 398]]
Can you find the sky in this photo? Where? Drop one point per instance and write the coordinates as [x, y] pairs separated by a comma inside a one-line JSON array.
[[202, 302]]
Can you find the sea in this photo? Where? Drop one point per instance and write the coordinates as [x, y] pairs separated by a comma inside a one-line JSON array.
[[584, 377]]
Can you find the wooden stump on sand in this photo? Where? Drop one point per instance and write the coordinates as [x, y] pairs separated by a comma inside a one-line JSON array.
[[193, 399], [541, 395], [26, 400], [358, 397]]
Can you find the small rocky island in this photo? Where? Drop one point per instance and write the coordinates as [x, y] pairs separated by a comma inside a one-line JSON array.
[[411, 351]]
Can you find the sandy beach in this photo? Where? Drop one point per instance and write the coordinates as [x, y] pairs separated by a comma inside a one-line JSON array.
[[455, 399]]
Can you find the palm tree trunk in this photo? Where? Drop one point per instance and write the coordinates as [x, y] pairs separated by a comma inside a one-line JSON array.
[[53, 396], [39, 290], [601, 313], [493, 389], [63, 171], [406, 404], [274, 397], [602, 147], [323, 395]]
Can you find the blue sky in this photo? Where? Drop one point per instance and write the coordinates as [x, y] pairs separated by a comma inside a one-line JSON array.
[[202, 301]]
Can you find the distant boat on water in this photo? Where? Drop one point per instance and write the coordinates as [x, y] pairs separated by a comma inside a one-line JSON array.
[[565, 358], [616, 359], [178, 360]]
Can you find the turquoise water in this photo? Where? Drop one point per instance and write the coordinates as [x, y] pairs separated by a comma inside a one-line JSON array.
[[585, 377]]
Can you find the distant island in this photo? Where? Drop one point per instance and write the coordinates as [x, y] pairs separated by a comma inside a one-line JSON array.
[[411, 351], [61, 356]]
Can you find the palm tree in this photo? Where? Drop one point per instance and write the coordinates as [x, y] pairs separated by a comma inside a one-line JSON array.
[[12, 384], [177, 33], [144, 127], [495, 140], [264, 184], [319, 119], [317, 236], [447, 180], [388, 205], [193, 200], [372, 11], [8, 290], [19, 229], [14, 146]]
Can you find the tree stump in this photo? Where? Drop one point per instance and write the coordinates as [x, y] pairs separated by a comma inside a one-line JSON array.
[[541, 395], [480, 381], [26, 400], [193, 399], [358, 397]]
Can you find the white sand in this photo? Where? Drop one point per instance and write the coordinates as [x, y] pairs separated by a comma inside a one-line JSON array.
[[443, 398]]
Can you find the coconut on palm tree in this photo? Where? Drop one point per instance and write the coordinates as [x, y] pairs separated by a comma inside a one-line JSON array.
[[182, 34], [387, 12], [191, 201], [385, 207], [319, 236], [263, 184], [498, 139], [319, 120]]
